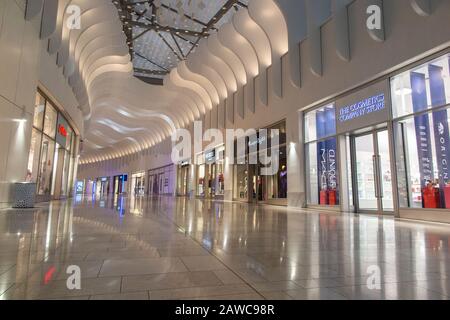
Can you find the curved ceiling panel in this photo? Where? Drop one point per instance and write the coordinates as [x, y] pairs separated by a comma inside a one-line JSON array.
[[256, 36], [231, 39], [228, 56], [104, 52], [294, 13], [54, 42], [187, 77], [206, 84], [102, 42], [204, 57], [216, 80], [178, 81], [190, 98], [126, 115], [268, 15], [91, 33], [63, 52]]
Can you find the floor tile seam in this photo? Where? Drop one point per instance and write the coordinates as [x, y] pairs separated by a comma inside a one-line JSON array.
[[387, 296], [331, 289], [10, 268], [184, 264], [432, 290], [212, 254], [9, 287], [100, 270], [190, 286], [206, 295]]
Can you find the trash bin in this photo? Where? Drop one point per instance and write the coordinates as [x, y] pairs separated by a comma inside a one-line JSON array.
[[24, 195]]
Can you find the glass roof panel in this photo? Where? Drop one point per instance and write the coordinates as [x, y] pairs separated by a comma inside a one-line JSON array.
[[163, 32]]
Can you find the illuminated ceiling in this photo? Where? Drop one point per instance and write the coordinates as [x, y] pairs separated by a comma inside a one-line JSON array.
[[228, 48], [156, 40], [161, 33]]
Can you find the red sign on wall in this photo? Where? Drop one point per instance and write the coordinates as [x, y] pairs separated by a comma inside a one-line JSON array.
[[62, 130]]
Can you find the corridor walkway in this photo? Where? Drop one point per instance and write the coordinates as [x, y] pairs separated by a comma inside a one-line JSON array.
[[175, 248]]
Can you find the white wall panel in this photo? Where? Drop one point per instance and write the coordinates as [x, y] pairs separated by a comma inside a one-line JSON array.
[[11, 38]]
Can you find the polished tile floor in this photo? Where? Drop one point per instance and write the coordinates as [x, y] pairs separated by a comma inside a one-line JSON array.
[[175, 248]]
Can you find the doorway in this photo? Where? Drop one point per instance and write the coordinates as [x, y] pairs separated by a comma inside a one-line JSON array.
[[371, 162]]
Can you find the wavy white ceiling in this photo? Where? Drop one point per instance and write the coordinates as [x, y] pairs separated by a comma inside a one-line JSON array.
[[125, 115]]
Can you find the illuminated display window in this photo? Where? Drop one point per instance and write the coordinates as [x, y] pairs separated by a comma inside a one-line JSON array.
[[52, 151], [421, 99], [322, 170]]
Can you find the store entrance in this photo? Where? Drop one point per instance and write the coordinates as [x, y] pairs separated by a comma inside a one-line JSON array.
[[371, 164]]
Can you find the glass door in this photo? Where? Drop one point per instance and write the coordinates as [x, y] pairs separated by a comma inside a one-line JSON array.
[[373, 177]]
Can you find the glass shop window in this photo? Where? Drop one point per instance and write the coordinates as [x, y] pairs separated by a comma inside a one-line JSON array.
[[46, 166], [322, 173], [422, 88], [50, 121], [320, 123], [39, 110], [33, 158], [69, 139], [422, 139], [322, 170]]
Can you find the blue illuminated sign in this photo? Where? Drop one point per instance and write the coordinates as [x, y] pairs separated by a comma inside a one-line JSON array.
[[362, 108]]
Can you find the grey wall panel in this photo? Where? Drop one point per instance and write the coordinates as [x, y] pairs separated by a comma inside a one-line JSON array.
[[33, 8], [422, 7], [49, 17]]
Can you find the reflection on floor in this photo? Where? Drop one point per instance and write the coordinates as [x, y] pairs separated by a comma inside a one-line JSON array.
[[176, 248]]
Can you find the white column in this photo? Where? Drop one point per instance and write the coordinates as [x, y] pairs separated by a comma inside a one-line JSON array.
[[295, 161]]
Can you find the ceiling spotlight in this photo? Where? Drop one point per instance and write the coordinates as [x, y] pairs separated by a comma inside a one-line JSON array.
[[23, 117]]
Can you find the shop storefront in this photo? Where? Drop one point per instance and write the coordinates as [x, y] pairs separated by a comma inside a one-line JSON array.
[[210, 181], [53, 151], [101, 187], [384, 148], [79, 187], [184, 178], [89, 187], [322, 170], [120, 184], [249, 184], [138, 184], [421, 117], [161, 181]]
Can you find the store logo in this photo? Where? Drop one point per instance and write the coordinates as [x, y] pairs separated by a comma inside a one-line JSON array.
[[258, 142], [443, 151], [62, 131], [441, 128], [374, 21], [362, 108], [332, 168], [184, 163], [256, 151], [73, 21], [323, 162], [210, 156]]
